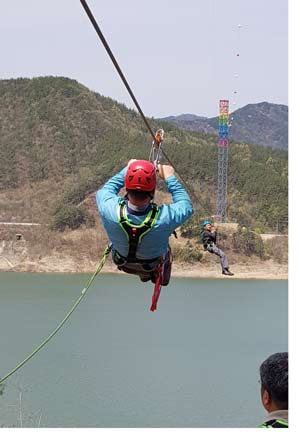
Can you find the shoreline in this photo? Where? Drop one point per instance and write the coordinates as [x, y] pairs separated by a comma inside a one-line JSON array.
[[280, 272], [267, 270]]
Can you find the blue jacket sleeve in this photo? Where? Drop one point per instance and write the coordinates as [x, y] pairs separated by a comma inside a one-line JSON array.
[[171, 216], [175, 214], [107, 197]]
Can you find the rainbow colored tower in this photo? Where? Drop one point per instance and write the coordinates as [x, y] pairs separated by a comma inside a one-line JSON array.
[[223, 144]]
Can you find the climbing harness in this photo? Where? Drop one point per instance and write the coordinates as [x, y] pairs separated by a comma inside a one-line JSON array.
[[83, 292], [157, 269], [133, 232], [275, 423]]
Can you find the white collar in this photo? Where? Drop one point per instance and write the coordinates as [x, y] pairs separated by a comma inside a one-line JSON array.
[[138, 208]]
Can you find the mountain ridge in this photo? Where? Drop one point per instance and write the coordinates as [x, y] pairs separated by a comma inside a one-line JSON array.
[[264, 124]]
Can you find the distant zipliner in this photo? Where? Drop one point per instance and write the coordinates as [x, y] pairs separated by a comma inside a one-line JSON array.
[[208, 234]]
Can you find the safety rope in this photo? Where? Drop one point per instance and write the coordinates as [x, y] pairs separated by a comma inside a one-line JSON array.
[[157, 288], [123, 78], [83, 292]]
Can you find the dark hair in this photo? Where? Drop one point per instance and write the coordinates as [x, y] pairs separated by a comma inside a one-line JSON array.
[[140, 195], [274, 376]]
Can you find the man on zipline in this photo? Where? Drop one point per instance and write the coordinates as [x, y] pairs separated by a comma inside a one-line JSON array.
[[209, 239], [139, 230]]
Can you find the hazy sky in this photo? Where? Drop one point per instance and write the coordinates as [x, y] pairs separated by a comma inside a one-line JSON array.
[[178, 56]]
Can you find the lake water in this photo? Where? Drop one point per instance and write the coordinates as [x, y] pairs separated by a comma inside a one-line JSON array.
[[192, 363]]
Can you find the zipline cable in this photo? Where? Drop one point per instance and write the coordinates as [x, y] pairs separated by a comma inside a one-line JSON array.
[[83, 292], [122, 76], [115, 63]]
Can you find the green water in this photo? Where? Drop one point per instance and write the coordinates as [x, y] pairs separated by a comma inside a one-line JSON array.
[[192, 363]]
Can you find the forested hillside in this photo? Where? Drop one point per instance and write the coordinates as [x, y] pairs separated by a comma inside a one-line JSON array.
[[59, 142]]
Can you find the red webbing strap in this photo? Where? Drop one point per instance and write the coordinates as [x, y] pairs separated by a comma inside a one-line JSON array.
[[157, 288]]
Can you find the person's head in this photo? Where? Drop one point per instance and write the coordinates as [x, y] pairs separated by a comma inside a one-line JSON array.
[[274, 377], [140, 182], [206, 225]]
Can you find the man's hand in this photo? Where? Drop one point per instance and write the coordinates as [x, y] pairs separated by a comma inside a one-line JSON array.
[[165, 171]]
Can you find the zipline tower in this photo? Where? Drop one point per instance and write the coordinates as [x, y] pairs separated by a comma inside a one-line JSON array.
[[223, 144]]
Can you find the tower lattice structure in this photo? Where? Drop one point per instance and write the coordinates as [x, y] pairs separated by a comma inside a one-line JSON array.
[[223, 144]]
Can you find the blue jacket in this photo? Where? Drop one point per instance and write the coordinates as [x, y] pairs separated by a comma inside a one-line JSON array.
[[155, 243]]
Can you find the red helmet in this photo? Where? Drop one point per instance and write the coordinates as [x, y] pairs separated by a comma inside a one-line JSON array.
[[141, 176]]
